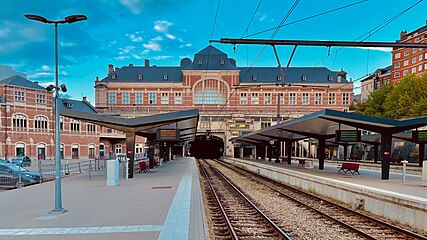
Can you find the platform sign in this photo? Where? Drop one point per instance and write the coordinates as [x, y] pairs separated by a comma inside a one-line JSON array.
[[419, 136], [167, 134], [348, 135]]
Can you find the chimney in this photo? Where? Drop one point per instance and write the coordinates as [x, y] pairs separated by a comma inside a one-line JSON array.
[[342, 74], [35, 82], [97, 79], [110, 69], [116, 69], [84, 99], [403, 35], [147, 62], [130, 64]]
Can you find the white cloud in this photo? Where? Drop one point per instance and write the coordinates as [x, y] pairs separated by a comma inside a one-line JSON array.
[[133, 5], [45, 84], [40, 74], [134, 38], [67, 44], [152, 46], [45, 68], [4, 32], [126, 50], [64, 73], [162, 26], [158, 38], [381, 49], [262, 18], [185, 45], [162, 57], [170, 36], [136, 56], [121, 57]]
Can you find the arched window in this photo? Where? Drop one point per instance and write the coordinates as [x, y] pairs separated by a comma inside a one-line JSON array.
[[40, 123], [19, 121], [210, 91]]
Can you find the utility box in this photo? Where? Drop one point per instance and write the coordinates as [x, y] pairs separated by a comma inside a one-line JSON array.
[[112, 173], [424, 177]]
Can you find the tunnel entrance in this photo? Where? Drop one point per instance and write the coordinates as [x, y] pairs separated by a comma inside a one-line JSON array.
[[203, 148]]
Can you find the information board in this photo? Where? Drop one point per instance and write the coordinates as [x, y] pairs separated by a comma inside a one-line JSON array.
[[419, 136], [167, 135], [348, 135]]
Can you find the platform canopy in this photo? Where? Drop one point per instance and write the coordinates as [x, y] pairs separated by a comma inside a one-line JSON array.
[[147, 126], [322, 125]]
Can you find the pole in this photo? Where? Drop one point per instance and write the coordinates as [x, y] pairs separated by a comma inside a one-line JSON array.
[[58, 193]]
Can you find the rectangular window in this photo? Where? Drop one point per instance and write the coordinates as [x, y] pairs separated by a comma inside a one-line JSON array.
[[397, 65], [91, 128], [125, 99], [405, 72], [414, 60], [292, 98], [414, 70], [40, 99], [331, 99], [397, 74], [267, 98], [254, 99], [75, 126], [414, 50], [397, 56], [243, 98], [405, 63], [152, 98], [178, 98], [318, 99], [139, 97], [420, 68], [112, 97], [346, 98], [406, 53], [19, 96], [165, 98], [305, 98], [420, 58]]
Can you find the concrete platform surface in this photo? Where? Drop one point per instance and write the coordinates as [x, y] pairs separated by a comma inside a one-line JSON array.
[[162, 204], [368, 177]]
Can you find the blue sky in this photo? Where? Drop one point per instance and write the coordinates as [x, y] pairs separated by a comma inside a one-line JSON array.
[[129, 31]]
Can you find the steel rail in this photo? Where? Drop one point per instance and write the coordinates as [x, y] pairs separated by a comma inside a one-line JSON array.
[[386, 224], [269, 221]]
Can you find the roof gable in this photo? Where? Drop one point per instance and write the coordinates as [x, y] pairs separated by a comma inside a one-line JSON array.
[[21, 82]]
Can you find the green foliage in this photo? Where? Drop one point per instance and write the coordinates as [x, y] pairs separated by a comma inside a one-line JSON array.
[[406, 99]]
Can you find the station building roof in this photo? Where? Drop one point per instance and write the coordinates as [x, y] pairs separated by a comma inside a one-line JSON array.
[[186, 121]]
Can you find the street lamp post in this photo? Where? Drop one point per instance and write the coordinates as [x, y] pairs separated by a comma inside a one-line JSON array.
[[70, 19]]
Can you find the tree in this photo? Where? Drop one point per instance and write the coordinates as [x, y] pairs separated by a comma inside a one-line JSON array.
[[374, 106]]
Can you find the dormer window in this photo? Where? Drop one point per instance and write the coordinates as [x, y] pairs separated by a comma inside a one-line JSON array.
[[113, 76], [200, 62], [140, 77], [330, 77], [221, 62], [254, 77], [165, 77], [279, 78], [303, 77], [68, 104]]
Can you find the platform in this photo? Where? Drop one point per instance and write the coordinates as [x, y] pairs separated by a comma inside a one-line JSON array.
[[162, 204], [405, 202]]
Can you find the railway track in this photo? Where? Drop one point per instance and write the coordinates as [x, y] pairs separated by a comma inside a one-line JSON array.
[[234, 216], [358, 222]]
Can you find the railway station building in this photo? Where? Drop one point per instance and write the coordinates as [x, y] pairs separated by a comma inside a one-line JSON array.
[[232, 100]]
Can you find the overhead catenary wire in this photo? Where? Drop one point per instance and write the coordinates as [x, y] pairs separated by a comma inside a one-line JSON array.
[[374, 30]]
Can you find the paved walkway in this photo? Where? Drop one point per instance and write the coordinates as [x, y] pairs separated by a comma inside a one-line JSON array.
[[163, 204], [367, 177]]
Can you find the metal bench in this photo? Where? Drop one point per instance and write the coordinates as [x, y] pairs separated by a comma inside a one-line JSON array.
[[349, 167], [396, 160], [143, 167], [301, 162]]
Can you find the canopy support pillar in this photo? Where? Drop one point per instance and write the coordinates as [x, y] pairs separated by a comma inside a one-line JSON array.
[[421, 154], [376, 153], [321, 153], [289, 151], [386, 152], [130, 148]]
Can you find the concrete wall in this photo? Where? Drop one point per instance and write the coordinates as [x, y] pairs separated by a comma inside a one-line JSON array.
[[392, 205]]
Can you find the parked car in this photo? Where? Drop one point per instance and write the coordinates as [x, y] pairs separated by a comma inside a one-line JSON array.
[[22, 161], [4, 161], [9, 176]]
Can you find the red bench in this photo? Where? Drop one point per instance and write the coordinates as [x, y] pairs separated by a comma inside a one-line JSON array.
[[301, 162], [349, 167], [396, 160], [143, 167]]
